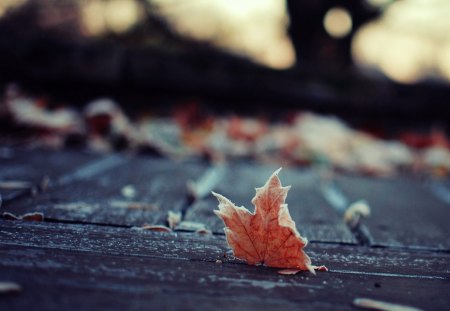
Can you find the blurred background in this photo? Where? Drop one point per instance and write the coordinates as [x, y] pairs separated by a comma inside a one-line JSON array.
[[177, 72]]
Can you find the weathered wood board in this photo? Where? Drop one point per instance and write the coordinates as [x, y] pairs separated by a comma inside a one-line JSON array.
[[314, 217], [403, 212], [59, 264], [116, 190], [193, 246], [34, 166]]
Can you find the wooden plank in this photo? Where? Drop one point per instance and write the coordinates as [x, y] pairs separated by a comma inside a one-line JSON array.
[[192, 246], [139, 191], [50, 277], [37, 167], [404, 212], [314, 217], [55, 272]]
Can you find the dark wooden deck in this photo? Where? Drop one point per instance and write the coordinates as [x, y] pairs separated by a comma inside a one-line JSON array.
[[91, 253]]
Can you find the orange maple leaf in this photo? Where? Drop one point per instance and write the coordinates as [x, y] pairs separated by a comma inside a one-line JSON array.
[[268, 236]]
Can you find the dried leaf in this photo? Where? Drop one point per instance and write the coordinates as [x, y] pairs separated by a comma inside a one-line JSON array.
[[381, 305], [268, 236], [35, 216]]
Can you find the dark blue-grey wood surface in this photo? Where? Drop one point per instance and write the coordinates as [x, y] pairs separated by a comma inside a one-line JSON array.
[[89, 252]]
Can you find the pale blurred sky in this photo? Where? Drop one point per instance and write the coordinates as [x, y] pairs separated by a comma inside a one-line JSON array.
[[409, 43]]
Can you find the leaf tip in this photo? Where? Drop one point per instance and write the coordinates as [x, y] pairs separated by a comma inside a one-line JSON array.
[[277, 171], [311, 269]]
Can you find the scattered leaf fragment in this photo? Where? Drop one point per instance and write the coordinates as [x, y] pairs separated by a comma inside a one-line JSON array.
[[158, 228], [9, 287], [203, 231], [35, 216], [9, 216], [289, 271], [173, 219], [381, 305], [268, 236], [295, 271], [355, 212], [321, 268]]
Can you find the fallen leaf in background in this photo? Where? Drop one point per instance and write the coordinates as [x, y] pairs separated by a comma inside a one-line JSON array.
[[268, 236], [191, 131], [30, 113], [436, 160], [381, 305], [108, 126], [248, 129]]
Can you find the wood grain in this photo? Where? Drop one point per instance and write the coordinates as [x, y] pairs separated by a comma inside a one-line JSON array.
[[33, 165], [162, 270], [94, 193]]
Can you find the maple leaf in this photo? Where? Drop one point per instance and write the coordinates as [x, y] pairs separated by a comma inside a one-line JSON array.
[[268, 236]]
